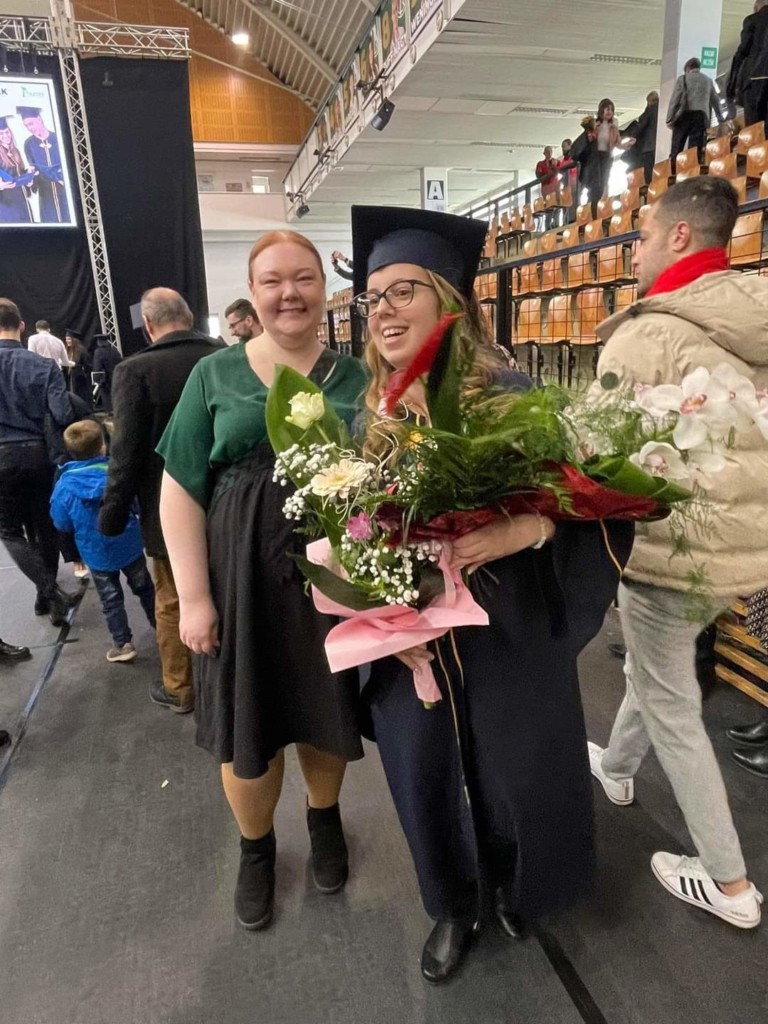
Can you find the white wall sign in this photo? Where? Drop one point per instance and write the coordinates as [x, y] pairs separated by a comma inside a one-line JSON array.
[[434, 189]]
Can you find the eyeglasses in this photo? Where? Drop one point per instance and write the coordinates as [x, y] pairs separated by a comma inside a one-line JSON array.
[[398, 295], [234, 323]]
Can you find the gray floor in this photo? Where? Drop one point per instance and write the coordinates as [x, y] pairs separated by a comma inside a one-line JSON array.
[[118, 857]]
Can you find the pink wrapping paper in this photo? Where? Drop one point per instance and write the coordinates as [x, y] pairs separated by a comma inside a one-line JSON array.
[[379, 632]]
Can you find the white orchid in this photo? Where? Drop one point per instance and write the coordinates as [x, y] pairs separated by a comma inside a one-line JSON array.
[[702, 402], [710, 458], [306, 409], [761, 417], [742, 394], [657, 458]]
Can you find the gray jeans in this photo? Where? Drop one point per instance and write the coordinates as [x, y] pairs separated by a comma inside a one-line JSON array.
[[662, 707]]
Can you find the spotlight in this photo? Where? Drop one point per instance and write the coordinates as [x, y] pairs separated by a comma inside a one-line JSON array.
[[380, 119], [240, 38], [302, 211]]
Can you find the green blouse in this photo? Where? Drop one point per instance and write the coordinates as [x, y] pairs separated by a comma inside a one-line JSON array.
[[220, 416]]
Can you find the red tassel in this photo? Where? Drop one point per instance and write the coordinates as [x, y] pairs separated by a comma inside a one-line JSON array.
[[401, 380]]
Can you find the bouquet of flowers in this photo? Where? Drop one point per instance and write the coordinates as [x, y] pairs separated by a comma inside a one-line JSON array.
[[385, 524]]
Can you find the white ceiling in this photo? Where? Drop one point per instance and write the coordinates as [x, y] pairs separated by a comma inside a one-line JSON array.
[[470, 103]]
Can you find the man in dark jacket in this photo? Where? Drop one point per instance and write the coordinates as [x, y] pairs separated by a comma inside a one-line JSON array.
[[31, 387], [145, 390], [105, 359], [748, 79]]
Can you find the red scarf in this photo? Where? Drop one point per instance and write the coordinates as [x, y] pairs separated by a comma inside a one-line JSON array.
[[689, 269]]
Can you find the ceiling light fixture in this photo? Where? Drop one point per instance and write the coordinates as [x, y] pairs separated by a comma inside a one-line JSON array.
[[240, 38]]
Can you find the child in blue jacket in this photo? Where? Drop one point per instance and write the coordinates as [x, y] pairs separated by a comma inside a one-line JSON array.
[[75, 505]]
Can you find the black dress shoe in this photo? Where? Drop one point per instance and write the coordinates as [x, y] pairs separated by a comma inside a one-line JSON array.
[[59, 605], [754, 761], [42, 605], [445, 949], [11, 653], [511, 924], [749, 735]]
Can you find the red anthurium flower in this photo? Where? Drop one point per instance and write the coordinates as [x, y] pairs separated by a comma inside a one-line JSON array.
[[401, 380]]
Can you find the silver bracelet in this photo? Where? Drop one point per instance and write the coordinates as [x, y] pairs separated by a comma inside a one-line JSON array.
[[543, 529]]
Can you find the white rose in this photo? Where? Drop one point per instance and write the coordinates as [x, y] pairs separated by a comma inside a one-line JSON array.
[[306, 409], [340, 478]]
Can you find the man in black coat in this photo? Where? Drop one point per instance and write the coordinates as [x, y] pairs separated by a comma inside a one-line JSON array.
[[145, 389], [748, 78], [105, 360]]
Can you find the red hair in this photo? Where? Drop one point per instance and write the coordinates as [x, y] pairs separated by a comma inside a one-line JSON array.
[[276, 238]]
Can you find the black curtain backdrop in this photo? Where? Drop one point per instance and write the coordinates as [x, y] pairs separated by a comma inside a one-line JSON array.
[[47, 271], [141, 136]]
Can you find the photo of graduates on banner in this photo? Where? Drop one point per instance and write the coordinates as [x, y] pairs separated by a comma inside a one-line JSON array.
[[368, 57], [392, 20], [321, 132], [336, 115], [35, 187], [349, 93]]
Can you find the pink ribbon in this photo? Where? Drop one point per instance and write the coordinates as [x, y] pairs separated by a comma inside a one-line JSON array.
[[378, 632]]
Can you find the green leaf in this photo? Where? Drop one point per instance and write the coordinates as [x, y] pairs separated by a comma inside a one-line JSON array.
[[444, 385], [618, 472], [334, 587], [287, 384]]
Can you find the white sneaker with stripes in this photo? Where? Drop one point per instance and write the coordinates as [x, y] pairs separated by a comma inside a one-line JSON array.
[[619, 791], [685, 878]]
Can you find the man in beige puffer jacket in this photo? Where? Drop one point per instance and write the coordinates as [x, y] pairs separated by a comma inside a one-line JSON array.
[[692, 312]]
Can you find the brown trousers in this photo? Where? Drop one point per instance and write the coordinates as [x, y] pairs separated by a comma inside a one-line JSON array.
[[175, 658]]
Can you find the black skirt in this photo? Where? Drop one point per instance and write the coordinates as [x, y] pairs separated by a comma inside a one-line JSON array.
[[270, 684]]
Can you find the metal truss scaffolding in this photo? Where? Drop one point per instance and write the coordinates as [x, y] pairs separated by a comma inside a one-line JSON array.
[[69, 39]]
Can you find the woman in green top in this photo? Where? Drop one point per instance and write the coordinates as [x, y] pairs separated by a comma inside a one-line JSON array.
[[261, 677]]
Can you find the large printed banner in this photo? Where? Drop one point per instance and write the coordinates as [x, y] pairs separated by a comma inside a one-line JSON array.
[[392, 21], [369, 58], [420, 11], [35, 187]]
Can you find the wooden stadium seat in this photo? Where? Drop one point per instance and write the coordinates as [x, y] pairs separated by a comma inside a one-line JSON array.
[[515, 221], [750, 136], [624, 297], [630, 200], [539, 205], [493, 286], [757, 160], [593, 232], [529, 278], [529, 325], [690, 172], [579, 270], [724, 167], [621, 223], [716, 149], [560, 317], [548, 242], [583, 214], [740, 184], [604, 208], [636, 178], [657, 188], [504, 223], [590, 311], [763, 192], [552, 278], [687, 160], [662, 171], [610, 264], [569, 236], [747, 239], [642, 213], [564, 198], [529, 224]]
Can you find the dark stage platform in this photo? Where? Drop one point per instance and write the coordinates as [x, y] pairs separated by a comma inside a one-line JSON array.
[[118, 858]]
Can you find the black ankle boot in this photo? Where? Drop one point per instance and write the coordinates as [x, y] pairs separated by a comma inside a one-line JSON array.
[[445, 949], [255, 889], [330, 859], [510, 923]]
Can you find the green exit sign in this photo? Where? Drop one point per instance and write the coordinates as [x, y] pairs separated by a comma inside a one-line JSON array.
[[709, 57]]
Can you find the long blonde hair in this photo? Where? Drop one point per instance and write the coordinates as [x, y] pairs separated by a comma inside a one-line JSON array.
[[475, 344]]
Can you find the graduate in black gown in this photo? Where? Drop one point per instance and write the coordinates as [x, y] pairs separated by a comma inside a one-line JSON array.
[[44, 154], [14, 201], [491, 785]]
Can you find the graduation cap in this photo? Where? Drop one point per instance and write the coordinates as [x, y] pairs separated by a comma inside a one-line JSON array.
[[104, 337], [26, 112], [4, 121], [69, 333], [447, 245]]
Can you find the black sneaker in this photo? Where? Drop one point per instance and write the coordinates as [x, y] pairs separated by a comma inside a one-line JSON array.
[[330, 860], [159, 695]]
